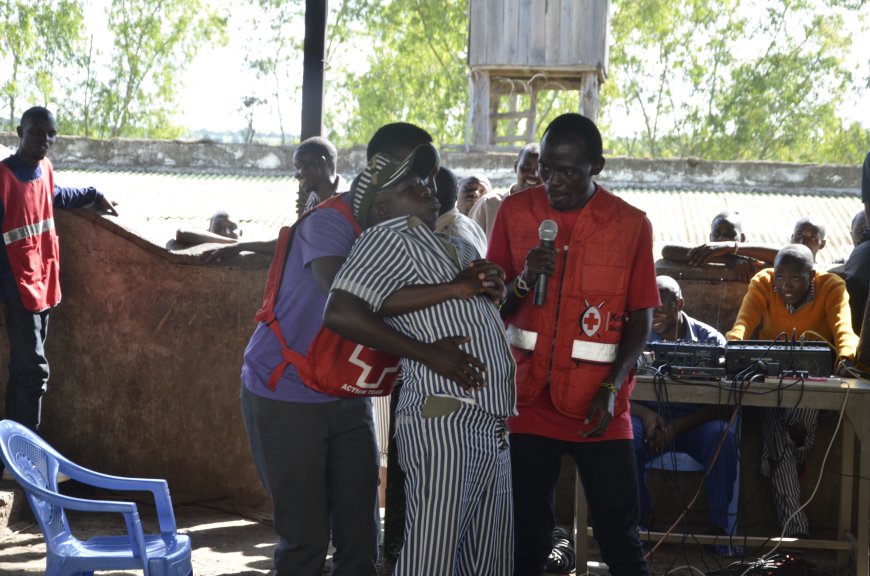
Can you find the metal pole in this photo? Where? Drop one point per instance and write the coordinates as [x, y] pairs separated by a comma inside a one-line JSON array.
[[312, 67]]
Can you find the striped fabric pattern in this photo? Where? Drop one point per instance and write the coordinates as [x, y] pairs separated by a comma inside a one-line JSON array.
[[404, 252], [780, 458], [458, 486]]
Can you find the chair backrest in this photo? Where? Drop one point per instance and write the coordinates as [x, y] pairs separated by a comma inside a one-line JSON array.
[[34, 463]]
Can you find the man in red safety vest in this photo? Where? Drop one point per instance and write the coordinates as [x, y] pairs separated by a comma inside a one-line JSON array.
[[30, 258]]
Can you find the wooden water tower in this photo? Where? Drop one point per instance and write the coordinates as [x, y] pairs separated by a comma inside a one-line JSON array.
[[519, 48]]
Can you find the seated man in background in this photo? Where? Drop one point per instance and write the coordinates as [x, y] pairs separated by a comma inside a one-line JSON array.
[[793, 299], [857, 270], [471, 189], [221, 230], [526, 168], [856, 230], [811, 233], [745, 259], [857, 290], [450, 220], [726, 238], [690, 428]]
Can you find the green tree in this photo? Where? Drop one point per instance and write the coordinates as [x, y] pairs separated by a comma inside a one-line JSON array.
[[36, 67], [417, 68], [711, 78], [275, 58], [153, 42]]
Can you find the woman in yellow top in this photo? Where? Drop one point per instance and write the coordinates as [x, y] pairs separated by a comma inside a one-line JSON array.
[[793, 298]]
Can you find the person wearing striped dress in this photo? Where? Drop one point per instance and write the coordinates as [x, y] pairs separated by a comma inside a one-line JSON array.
[[429, 299]]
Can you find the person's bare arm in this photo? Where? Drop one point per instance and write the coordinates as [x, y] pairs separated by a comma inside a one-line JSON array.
[[677, 252], [481, 277], [719, 251], [631, 346], [187, 236], [226, 252]]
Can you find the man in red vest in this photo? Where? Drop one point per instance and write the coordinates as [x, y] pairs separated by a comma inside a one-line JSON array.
[[575, 343], [30, 259]]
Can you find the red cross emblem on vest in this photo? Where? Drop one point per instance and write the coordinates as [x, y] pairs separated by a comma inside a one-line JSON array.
[[590, 320]]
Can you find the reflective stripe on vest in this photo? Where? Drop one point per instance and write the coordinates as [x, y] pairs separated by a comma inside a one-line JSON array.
[[594, 351], [28, 231], [522, 338]]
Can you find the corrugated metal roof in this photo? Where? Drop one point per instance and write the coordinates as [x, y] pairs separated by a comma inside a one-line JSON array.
[[156, 204], [684, 216]]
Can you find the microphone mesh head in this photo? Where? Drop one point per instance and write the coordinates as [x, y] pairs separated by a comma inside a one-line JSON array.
[[548, 230]]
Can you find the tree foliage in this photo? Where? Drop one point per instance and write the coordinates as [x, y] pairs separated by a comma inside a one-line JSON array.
[[275, 58], [417, 68], [127, 90], [715, 79], [33, 67]]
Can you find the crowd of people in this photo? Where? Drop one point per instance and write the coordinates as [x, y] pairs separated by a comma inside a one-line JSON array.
[[519, 320]]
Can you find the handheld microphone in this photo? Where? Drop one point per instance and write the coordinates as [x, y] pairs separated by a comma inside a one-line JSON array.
[[547, 233]]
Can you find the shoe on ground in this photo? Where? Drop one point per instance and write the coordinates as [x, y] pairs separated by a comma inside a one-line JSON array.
[[562, 557]]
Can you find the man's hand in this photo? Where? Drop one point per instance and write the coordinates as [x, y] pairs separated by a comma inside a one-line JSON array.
[[652, 424], [700, 255], [539, 260], [106, 205], [601, 407], [221, 254], [481, 277], [745, 267], [450, 361], [662, 438]]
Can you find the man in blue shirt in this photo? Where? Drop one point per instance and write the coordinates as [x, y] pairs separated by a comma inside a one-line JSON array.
[[695, 430], [29, 259]]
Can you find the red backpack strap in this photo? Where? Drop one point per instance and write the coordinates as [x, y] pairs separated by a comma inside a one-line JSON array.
[[266, 313]]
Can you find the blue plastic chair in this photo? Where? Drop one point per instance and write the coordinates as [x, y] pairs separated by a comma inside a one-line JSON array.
[[35, 466]]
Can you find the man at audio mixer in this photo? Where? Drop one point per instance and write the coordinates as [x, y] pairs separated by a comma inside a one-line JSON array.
[[695, 430], [793, 299]]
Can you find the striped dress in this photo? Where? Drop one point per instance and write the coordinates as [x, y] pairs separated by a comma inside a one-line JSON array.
[[459, 509]]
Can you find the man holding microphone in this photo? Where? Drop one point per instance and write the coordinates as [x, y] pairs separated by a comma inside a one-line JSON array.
[[575, 343]]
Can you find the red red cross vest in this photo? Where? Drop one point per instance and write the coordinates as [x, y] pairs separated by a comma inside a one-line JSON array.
[[332, 365], [571, 342], [30, 238]]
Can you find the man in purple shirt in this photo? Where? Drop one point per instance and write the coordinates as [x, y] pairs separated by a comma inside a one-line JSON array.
[[316, 454]]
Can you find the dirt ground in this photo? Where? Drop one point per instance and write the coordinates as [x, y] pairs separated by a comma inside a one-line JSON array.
[[228, 540]]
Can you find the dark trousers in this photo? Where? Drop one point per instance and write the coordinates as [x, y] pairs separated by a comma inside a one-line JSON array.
[[319, 463], [28, 367], [607, 469], [700, 443]]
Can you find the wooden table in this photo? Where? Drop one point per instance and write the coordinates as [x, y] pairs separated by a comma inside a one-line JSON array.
[[824, 394]]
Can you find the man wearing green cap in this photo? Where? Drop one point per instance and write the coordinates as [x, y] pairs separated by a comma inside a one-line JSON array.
[[429, 299]]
